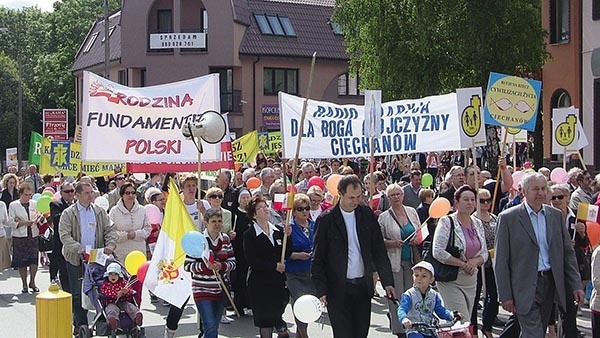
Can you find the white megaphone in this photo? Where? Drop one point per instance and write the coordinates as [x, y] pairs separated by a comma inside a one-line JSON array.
[[211, 128]]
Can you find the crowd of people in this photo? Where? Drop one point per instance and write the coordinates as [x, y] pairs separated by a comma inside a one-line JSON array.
[[341, 242]]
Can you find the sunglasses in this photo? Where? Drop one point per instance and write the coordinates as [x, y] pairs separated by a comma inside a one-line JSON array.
[[216, 196], [300, 209], [486, 200], [129, 193], [120, 178], [68, 191], [559, 197]]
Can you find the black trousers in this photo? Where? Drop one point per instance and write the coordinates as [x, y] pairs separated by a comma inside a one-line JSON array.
[[58, 267], [175, 315], [350, 312]]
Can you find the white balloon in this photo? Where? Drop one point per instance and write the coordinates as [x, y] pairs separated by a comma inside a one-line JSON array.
[[102, 202], [308, 308]]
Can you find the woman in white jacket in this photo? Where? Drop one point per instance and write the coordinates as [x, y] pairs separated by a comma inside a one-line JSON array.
[[130, 223], [24, 218]]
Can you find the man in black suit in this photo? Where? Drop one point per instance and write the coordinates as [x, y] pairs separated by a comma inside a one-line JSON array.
[[58, 266], [457, 180], [348, 249]]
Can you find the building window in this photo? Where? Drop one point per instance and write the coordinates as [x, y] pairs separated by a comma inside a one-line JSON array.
[[561, 99], [90, 42], [595, 9], [110, 31], [271, 24], [336, 28], [165, 21], [559, 21], [123, 77], [348, 85], [230, 98], [278, 79]]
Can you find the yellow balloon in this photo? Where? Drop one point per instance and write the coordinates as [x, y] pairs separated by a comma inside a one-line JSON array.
[[133, 261], [439, 207]]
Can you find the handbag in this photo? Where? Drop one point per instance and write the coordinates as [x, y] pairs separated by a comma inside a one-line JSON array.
[[46, 241], [445, 272]]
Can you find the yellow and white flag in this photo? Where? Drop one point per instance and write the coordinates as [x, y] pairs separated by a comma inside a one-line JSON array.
[[166, 277], [587, 212]]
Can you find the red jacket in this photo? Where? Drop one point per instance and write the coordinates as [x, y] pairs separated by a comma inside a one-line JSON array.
[[110, 290]]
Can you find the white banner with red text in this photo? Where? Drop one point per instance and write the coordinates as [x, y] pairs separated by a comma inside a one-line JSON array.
[[143, 125]]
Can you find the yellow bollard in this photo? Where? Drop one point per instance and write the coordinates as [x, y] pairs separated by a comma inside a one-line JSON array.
[[53, 310]]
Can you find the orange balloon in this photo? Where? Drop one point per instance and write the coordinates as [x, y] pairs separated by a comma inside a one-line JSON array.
[[593, 232], [439, 207], [332, 183], [253, 183]]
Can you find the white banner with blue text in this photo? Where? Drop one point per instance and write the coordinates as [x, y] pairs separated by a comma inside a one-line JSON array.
[[338, 131]]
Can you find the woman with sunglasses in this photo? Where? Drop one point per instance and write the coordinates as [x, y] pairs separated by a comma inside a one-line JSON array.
[[214, 196], [490, 302], [297, 266], [560, 199], [131, 225]]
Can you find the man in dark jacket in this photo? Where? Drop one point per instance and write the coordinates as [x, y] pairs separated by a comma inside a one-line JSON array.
[[348, 249], [58, 266]]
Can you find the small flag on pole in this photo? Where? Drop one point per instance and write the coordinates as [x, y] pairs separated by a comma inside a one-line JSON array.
[[587, 212], [421, 234]]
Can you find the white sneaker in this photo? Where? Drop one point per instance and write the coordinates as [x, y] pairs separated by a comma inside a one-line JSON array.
[[226, 320]]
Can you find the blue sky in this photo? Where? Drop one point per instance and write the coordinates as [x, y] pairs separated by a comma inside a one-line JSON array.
[[44, 5]]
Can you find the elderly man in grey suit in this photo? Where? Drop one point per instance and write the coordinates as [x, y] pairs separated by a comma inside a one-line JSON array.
[[535, 261]]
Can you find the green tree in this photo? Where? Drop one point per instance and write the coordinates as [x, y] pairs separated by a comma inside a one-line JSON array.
[[415, 48]]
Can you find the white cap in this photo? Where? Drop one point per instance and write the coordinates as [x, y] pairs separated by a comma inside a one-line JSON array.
[[424, 265], [113, 268]]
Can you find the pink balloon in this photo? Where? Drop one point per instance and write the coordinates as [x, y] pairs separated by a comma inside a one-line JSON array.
[[559, 175], [153, 213], [318, 181], [517, 176], [56, 196]]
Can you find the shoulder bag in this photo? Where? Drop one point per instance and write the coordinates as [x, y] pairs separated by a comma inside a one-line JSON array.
[[445, 272]]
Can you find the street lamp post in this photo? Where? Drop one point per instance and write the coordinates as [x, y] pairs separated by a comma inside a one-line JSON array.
[[19, 103]]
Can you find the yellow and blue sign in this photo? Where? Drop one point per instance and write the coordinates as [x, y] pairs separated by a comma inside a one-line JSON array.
[[512, 101]]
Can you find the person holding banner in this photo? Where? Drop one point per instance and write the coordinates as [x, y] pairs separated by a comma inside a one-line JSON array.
[[207, 290], [297, 266], [397, 224], [470, 240], [490, 302], [263, 244], [348, 249]]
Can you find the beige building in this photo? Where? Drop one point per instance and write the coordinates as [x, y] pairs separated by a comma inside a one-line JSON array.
[[258, 47]]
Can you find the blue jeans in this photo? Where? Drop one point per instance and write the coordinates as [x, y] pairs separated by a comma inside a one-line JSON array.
[[75, 274], [210, 314]]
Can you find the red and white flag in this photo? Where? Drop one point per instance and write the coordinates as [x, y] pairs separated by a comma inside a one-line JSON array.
[[421, 233]]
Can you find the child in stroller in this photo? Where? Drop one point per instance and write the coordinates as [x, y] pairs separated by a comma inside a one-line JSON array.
[[117, 295]]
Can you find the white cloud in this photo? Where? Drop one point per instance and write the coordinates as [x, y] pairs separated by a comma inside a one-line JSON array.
[[44, 5]]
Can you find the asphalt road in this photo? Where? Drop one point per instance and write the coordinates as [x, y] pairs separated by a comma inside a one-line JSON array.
[[18, 318]]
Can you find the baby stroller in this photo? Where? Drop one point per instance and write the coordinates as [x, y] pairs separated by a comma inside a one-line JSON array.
[[93, 277]]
